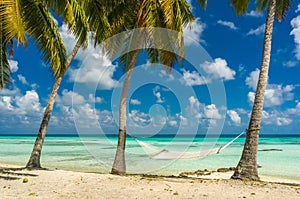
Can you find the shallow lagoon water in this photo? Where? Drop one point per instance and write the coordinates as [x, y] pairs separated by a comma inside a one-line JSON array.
[[278, 156]]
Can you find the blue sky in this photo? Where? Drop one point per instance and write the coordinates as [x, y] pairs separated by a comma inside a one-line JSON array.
[[235, 47]]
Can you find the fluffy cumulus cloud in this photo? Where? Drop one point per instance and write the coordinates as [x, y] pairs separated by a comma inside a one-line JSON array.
[[228, 24], [157, 94], [199, 113], [139, 118], [19, 108], [234, 116], [252, 79], [75, 108], [254, 13], [94, 66], [192, 32], [275, 94], [296, 33], [193, 78], [135, 102], [218, 69], [22, 79], [276, 118], [258, 31], [13, 65]]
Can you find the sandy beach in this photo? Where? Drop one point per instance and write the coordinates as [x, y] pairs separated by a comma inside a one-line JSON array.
[[70, 184]]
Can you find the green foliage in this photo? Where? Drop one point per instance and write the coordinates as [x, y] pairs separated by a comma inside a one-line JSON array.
[[147, 15], [32, 17], [282, 7]]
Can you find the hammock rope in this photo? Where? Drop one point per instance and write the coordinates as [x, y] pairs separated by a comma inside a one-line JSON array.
[[165, 154]]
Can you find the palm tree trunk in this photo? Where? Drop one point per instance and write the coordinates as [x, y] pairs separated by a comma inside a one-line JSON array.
[[247, 166], [119, 165], [34, 160]]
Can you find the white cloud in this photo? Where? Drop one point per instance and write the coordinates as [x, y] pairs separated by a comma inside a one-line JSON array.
[[211, 111], [254, 13], [193, 78], [95, 66], [157, 94], [276, 118], [228, 24], [94, 99], [275, 94], [20, 109], [85, 116], [168, 76], [290, 64], [252, 80], [282, 121], [218, 69], [22, 79], [298, 9], [135, 102], [194, 107], [192, 32], [172, 123], [69, 98], [296, 32], [258, 31], [29, 103], [139, 118], [96, 69], [234, 116], [13, 65]]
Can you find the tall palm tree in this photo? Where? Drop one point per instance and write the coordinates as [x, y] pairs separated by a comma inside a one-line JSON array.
[[81, 16], [19, 18], [148, 14], [247, 166]]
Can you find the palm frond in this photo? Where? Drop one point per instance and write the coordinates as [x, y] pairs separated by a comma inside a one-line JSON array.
[[240, 6], [11, 15], [203, 3], [45, 34], [262, 5], [282, 7]]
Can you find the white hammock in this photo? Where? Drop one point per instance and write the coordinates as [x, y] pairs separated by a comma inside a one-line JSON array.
[[164, 154]]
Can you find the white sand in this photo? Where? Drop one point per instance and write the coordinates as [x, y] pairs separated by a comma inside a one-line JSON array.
[[69, 184]]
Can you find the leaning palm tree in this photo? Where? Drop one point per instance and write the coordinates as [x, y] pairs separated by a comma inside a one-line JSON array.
[[19, 18], [247, 166], [81, 16], [168, 14]]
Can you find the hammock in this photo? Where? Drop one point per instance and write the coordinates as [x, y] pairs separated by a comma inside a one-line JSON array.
[[164, 154]]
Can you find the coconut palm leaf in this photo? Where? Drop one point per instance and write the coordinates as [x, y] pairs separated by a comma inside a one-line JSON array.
[[45, 34], [11, 15]]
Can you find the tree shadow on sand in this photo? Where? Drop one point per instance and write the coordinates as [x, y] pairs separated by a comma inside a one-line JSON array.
[[12, 174]]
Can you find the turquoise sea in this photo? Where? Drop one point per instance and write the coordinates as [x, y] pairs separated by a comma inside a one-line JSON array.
[[278, 156]]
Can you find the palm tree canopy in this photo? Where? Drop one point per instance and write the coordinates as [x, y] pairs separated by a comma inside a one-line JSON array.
[[282, 7], [32, 17], [149, 14]]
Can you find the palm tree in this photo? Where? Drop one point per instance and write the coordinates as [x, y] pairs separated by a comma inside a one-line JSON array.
[[247, 166], [81, 17], [148, 14], [19, 18]]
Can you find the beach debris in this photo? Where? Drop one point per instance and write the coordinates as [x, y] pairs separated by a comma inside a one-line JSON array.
[[270, 150], [25, 180], [195, 173], [224, 170]]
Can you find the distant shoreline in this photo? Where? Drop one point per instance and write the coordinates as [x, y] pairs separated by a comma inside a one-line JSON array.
[[154, 136]]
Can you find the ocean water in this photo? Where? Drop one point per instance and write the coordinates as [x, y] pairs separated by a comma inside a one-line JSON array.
[[278, 156]]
